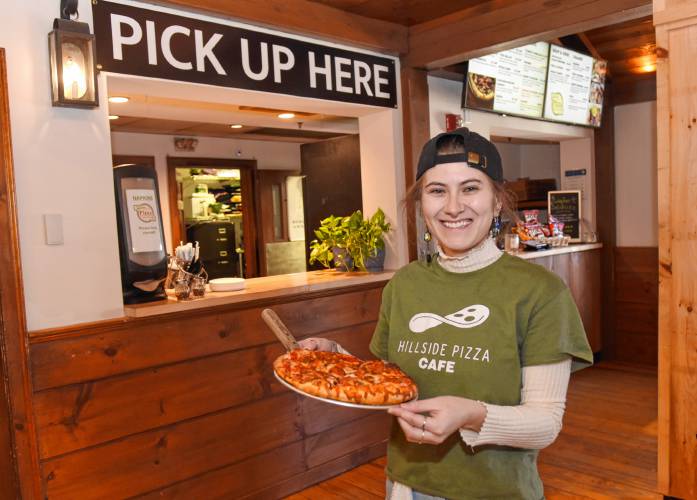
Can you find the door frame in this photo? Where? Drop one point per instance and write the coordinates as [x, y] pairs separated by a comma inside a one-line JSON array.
[[17, 425], [250, 190]]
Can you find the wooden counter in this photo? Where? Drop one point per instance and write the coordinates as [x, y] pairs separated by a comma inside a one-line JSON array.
[[184, 404], [276, 287], [581, 247], [579, 267]]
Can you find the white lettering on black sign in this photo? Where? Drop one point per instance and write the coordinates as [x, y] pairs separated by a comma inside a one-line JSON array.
[[138, 41]]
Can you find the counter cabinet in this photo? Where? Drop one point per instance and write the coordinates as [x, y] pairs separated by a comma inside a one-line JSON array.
[[186, 405]]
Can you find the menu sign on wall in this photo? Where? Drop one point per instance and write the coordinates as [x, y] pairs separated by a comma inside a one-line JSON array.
[[511, 82], [139, 41], [575, 86], [143, 221]]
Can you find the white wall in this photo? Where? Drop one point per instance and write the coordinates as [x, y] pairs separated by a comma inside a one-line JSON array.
[[510, 159], [636, 198], [62, 166], [540, 161], [62, 163], [385, 187], [536, 161], [579, 154], [269, 155]]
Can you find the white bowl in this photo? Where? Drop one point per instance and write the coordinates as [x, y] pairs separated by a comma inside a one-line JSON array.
[[226, 284]]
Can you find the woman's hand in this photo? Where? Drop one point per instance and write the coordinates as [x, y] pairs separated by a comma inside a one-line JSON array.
[[432, 421], [318, 344]]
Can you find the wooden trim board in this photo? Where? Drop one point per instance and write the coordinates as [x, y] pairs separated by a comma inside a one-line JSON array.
[[494, 26], [17, 386], [308, 18]]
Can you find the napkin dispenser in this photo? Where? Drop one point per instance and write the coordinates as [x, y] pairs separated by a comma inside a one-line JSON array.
[[141, 237]]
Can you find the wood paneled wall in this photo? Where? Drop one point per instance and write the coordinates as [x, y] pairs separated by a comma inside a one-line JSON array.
[[636, 305], [581, 272], [186, 406]]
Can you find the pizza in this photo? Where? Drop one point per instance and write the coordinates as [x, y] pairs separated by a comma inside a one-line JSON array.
[[482, 86], [342, 377]]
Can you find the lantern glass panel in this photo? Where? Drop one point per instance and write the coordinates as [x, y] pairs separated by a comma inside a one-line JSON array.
[[74, 71]]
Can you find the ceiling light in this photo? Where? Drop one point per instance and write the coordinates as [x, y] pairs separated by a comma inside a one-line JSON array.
[[118, 99], [114, 117], [286, 116], [236, 126]]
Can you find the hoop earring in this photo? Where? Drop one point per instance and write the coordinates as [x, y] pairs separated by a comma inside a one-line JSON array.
[[495, 227]]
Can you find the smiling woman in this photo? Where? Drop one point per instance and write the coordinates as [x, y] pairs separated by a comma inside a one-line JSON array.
[[473, 313]]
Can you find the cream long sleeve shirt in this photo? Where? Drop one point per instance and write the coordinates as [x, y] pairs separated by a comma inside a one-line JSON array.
[[537, 420]]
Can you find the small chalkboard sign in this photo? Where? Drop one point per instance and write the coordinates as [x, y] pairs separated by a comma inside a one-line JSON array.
[[566, 207]]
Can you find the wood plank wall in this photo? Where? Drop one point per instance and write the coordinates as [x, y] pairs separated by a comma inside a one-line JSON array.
[[636, 305], [186, 406]]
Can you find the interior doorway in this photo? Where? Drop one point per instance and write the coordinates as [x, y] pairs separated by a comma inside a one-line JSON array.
[[214, 201]]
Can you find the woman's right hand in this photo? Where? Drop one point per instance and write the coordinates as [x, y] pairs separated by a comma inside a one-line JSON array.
[[318, 344]]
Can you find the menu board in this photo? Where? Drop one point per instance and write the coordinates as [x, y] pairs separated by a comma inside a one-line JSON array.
[[575, 87], [566, 207], [511, 82]]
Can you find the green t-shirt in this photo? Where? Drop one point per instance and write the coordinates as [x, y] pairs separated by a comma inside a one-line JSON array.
[[469, 334]]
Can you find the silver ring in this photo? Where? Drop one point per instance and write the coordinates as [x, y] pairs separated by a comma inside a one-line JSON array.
[[422, 436], [423, 426]]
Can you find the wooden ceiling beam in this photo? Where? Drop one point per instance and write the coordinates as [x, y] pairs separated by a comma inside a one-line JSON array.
[[310, 19], [589, 45], [497, 26]]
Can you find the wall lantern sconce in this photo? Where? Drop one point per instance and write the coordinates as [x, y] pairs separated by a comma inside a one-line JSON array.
[[71, 47]]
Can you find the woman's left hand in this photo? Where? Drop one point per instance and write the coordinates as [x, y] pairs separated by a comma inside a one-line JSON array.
[[432, 421]]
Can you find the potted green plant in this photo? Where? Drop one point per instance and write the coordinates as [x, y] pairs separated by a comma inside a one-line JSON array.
[[365, 240], [330, 245]]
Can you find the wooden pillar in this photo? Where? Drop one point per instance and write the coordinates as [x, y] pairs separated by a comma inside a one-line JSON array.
[[604, 143], [676, 41], [416, 125], [19, 464]]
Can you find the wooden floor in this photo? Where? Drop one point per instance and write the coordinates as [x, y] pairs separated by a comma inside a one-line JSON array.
[[607, 448]]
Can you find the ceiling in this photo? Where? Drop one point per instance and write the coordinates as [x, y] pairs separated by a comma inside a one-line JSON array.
[[629, 47], [404, 12], [145, 125]]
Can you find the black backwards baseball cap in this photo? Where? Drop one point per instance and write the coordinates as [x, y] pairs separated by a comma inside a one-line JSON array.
[[479, 153]]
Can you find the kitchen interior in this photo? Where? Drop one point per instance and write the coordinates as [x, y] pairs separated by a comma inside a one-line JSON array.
[[240, 180]]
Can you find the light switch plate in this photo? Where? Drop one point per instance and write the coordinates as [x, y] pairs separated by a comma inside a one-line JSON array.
[[53, 226]]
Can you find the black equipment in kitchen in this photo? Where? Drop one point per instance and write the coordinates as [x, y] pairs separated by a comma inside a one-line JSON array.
[[218, 247], [141, 237]]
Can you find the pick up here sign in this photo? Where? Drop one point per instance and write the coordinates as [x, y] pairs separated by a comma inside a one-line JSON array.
[[138, 41]]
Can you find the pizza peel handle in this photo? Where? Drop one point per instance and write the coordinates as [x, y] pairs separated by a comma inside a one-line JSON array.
[[279, 329]]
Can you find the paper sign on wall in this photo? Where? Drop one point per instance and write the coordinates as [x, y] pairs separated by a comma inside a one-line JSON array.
[[143, 221], [296, 213]]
